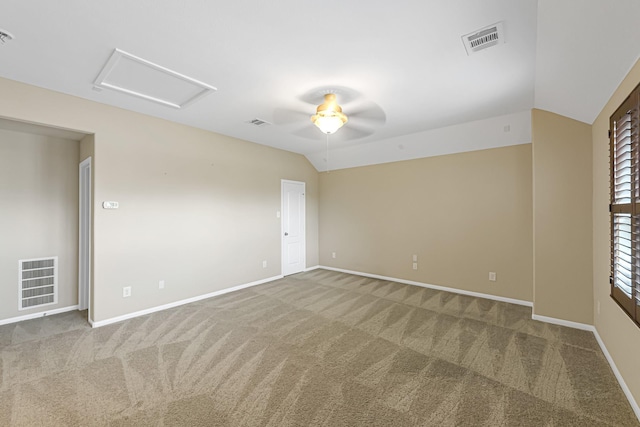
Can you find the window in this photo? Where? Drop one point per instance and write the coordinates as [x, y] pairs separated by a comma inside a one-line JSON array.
[[624, 153]]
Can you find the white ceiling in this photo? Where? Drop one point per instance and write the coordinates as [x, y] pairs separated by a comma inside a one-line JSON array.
[[402, 63]]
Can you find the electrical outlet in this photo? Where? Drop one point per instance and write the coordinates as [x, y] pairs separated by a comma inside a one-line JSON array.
[[264, 264], [126, 291], [415, 258], [161, 284], [492, 276], [415, 265], [333, 254]]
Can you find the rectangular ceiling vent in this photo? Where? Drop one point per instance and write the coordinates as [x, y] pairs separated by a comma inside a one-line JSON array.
[[258, 122], [37, 282], [138, 77], [484, 38]]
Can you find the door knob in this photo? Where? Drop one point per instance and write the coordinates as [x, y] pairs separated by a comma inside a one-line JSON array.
[[286, 234]]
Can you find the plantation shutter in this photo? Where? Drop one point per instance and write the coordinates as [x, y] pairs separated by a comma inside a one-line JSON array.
[[625, 205]]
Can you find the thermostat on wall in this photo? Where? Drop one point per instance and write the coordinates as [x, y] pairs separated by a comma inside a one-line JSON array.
[[110, 205]]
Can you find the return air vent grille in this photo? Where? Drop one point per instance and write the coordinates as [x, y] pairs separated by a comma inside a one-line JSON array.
[[258, 122], [483, 38], [37, 282]]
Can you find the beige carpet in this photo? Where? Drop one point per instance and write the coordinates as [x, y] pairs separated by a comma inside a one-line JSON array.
[[314, 349]]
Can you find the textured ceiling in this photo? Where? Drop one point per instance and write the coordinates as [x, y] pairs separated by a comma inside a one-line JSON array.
[[400, 69]]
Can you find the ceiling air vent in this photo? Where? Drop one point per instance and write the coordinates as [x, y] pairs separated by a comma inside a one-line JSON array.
[[5, 36], [483, 38], [258, 122]]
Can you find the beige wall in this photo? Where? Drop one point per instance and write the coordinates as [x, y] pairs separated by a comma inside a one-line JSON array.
[[462, 214], [197, 209], [562, 218], [38, 213], [87, 147], [620, 335]]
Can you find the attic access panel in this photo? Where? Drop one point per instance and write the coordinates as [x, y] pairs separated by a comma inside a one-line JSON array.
[[135, 76]]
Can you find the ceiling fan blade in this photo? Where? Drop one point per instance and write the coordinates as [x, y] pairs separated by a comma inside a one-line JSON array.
[[365, 123], [343, 94], [346, 133], [283, 116], [349, 132], [310, 132], [367, 112]]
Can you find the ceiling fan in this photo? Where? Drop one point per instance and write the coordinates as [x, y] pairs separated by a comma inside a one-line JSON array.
[[361, 116]]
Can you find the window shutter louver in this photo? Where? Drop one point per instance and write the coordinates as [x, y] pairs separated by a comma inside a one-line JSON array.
[[625, 205]]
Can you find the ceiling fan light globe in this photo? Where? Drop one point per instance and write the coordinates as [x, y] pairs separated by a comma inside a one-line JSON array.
[[329, 116], [329, 123]]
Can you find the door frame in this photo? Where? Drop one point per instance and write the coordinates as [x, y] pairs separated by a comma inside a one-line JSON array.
[[84, 236], [304, 224]]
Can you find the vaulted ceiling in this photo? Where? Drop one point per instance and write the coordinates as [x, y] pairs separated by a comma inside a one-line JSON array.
[[400, 69]]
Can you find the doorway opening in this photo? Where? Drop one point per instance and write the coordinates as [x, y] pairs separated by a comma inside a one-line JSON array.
[[44, 162]]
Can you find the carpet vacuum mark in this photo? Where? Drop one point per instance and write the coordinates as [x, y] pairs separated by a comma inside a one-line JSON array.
[[320, 348]]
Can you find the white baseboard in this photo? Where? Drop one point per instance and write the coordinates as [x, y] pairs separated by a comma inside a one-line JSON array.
[[616, 372], [439, 288], [614, 368], [315, 267], [561, 322], [179, 303], [552, 320], [36, 315]]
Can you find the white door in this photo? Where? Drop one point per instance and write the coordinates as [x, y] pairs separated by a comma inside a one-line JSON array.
[[293, 227]]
